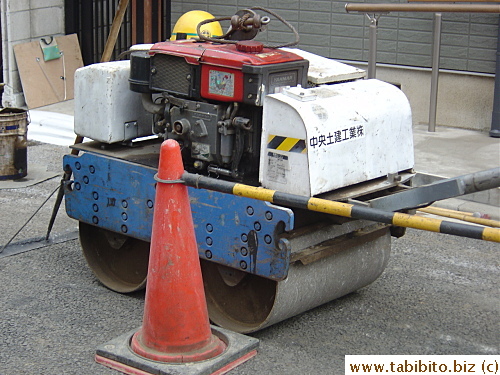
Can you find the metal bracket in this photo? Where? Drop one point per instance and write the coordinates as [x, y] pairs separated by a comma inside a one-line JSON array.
[[444, 189], [417, 197]]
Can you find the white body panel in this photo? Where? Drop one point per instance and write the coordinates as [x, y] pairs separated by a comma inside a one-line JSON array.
[[324, 70], [106, 110], [324, 138]]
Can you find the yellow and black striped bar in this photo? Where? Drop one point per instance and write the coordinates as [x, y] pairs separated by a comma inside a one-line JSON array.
[[342, 209]]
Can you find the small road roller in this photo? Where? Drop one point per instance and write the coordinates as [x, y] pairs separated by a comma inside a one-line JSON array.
[[251, 114]]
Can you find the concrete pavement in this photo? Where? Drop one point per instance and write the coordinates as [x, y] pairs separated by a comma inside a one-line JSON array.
[[439, 295], [451, 152]]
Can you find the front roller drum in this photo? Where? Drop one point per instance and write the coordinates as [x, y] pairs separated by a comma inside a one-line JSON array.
[[119, 262], [246, 303]]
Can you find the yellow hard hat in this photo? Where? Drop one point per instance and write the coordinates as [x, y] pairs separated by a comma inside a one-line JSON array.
[[185, 27]]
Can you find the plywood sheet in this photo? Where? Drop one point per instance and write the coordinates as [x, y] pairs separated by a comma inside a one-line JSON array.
[[48, 82]]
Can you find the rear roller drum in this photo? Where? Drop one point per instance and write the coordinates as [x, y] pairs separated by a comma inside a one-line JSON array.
[[119, 262], [245, 303]]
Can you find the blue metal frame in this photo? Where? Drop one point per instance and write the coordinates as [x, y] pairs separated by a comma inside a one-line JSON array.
[[238, 232]]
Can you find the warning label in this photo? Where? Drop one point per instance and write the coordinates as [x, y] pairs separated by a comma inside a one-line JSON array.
[[277, 167]]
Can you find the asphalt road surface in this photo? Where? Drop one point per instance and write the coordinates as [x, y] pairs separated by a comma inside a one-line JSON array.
[[439, 295]]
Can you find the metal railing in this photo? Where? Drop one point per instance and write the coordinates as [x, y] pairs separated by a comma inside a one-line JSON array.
[[375, 11]]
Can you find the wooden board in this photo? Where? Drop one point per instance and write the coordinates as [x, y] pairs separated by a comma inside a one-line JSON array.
[[48, 82]]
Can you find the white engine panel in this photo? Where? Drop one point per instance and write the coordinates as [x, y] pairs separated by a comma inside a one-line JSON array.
[[106, 110], [324, 70], [324, 138]]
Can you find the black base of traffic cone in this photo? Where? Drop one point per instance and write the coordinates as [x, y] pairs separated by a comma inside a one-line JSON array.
[[118, 355]]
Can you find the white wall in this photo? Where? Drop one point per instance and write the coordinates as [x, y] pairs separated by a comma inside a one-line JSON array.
[[464, 100], [24, 21]]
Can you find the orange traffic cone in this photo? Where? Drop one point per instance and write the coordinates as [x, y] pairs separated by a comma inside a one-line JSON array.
[[176, 328]]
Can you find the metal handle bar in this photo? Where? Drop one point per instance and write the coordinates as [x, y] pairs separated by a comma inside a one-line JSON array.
[[432, 8]]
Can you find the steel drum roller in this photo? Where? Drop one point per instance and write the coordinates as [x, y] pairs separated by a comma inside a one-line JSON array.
[[119, 262], [246, 303]]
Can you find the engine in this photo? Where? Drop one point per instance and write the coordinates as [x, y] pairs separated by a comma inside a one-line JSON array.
[[283, 118], [210, 98]]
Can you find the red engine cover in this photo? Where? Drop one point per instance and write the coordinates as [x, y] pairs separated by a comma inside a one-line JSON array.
[[225, 55], [222, 65]]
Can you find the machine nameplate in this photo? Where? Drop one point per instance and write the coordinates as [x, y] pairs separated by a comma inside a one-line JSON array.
[[282, 79], [278, 167], [202, 115]]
